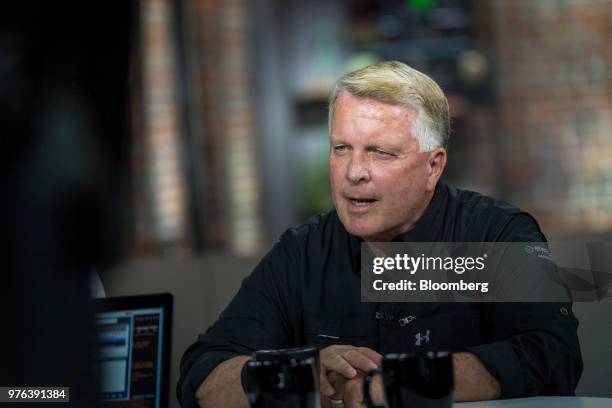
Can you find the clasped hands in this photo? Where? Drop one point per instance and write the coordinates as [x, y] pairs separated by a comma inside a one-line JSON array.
[[342, 370]]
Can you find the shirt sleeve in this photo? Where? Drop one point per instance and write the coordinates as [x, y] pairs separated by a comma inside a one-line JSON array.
[[256, 318], [534, 348], [537, 351]]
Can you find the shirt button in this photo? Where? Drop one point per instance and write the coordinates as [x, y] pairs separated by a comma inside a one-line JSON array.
[[563, 311]]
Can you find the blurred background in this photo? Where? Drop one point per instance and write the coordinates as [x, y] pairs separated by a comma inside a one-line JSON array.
[[197, 129]]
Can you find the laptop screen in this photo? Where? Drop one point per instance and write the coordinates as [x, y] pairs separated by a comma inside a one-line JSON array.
[[132, 352]]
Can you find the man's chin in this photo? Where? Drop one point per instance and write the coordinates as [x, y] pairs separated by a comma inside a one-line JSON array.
[[361, 226], [367, 233]]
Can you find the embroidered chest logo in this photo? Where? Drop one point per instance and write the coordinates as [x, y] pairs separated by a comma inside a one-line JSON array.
[[420, 339]]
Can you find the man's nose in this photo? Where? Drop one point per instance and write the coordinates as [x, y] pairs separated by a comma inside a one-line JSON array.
[[358, 170]]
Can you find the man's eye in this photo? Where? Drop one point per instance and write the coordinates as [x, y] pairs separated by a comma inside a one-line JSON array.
[[340, 149], [381, 153]]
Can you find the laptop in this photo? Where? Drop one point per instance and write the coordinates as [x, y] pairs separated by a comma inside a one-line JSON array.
[[133, 350]]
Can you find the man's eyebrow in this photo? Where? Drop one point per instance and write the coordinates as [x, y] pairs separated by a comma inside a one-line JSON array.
[[385, 147]]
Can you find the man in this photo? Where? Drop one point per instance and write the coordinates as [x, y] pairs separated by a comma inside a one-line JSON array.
[[389, 127]]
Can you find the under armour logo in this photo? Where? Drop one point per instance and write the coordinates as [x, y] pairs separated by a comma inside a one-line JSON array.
[[420, 338]]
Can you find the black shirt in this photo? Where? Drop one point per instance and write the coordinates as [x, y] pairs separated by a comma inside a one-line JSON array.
[[306, 291]]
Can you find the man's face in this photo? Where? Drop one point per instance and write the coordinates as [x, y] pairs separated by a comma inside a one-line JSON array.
[[381, 183]]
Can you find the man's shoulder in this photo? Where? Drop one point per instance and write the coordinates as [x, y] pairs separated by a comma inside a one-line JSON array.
[[310, 237], [476, 202], [498, 219], [316, 226]]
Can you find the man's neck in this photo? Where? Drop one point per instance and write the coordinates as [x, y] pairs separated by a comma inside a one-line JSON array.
[[393, 234]]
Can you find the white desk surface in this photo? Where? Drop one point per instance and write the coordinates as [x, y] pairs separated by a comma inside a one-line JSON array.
[[536, 402]]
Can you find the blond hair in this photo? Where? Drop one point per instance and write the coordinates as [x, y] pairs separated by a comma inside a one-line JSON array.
[[396, 83]]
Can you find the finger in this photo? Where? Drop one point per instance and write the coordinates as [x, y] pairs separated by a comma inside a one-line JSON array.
[[327, 390], [337, 363], [336, 378], [353, 395], [337, 381], [371, 354], [359, 360], [377, 390]]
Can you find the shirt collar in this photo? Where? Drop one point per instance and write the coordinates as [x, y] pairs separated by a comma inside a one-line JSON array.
[[424, 230]]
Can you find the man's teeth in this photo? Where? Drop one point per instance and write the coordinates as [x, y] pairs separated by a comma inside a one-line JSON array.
[[361, 202]]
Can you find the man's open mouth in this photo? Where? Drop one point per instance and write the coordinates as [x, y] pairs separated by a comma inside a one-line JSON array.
[[361, 202]]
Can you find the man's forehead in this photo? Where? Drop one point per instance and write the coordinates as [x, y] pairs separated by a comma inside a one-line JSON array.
[[368, 108]]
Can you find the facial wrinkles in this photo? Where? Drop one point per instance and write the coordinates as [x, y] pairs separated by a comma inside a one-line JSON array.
[[371, 128], [372, 113], [394, 181], [371, 134]]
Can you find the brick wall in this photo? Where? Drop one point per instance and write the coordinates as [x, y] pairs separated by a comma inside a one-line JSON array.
[[232, 203], [554, 92], [161, 216], [220, 146]]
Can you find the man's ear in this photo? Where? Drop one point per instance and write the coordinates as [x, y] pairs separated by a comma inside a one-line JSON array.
[[436, 162]]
